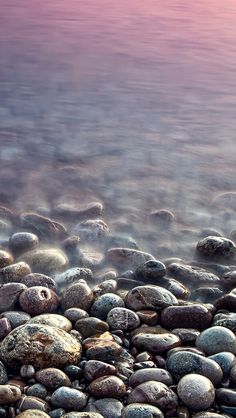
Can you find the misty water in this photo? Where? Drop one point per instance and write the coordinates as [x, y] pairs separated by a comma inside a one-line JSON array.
[[129, 103]]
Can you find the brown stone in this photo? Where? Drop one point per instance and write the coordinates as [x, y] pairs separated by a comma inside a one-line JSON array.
[[107, 387], [189, 316], [37, 300]]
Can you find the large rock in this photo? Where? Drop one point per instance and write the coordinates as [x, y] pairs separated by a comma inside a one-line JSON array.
[[40, 345]]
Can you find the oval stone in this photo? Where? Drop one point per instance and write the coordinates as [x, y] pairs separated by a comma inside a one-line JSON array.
[[104, 303], [141, 410], [216, 247], [46, 261], [216, 339], [156, 343], [69, 399], [52, 378], [77, 295], [37, 300], [154, 393], [14, 273], [145, 375], [90, 326], [149, 297], [196, 392], [94, 369], [107, 387], [53, 320], [189, 316], [122, 318], [9, 394]]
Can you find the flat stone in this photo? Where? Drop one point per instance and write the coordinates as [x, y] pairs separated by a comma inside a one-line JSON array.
[[226, 361], [154, 393], [38, 279], [189, 316], [32, 402], [189, 275], [150, 271], [226, 396], [73, 275], [45, 228], [156, 343], [227, 320], [187, 335], [149, 297], [196, 392], [227, 301], [16, 318], [79, 212], [145, 375]]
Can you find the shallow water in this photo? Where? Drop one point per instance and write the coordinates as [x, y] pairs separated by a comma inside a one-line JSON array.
[[129, 103]]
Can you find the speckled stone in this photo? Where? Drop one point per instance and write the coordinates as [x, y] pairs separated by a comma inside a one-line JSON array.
[[37, 390], [94, 369], [46, 261], [154, 393], [5, 259], [179, 290], [9, 394], [189, 316], [196, 392], [52, 378], [141, 410], [77, 295], [149, 297], [16, 318], [122, 318], [53, 320], [228, 280], [216, 339], [69, 399], [127, 258], [3, 374], [104, 303], [226, 319], [40, 345], [73, 275], [182, 363], [205, 414], [107, 286], [23, 241], [14, 272], [75, 314], [107, 387], [145, 375], [37, 300], [148, 317], [90, 326], [38, 279], [82, 415], [156, 343], [190, 275], [9, 295], [216, 247]]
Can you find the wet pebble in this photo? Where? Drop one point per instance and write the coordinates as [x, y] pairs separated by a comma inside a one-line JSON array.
[[145, 375], [37, 300], [149, 297], [9, 394], [216, 247], [104, 303], [33, 413], [141, 410], [77, 295], [189, 316], [107, 286], [187, 335], [69, 399], [156, 343], [75, 314], [216, 339], [154, 393], [148, 317], [226, 396], [122, 318], [194, 276], [107, 387], [83, 415], [196, 392], [73, 275], [94, 369], [22, 241], [227, 301], [3, 374], [52, 378], [226, 319]]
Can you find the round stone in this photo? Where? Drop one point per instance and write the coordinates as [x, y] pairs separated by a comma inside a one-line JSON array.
[[216, 339], [107, 387], [145, 375], [23, 241], [196, 392], [9, 394], [78, 295], [16, 318], [90, 326], [40, 345], [141, 410], [107, 407], [14, 272], [5, 259], [37, 300], [69, 399], [122, 318], [189, 316], [75, 314], [27, 371], [156, 343], [150, 271], [53, 320], [154, 393], [38, 279], [149, 297], [52, 378], [104, 303], [46, 261], [94, 369], [216, 247]]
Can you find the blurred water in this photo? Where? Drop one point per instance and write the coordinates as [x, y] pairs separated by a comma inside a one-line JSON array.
[[130, 102]]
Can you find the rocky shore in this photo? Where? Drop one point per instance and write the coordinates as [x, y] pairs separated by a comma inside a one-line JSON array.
[[93, 326]]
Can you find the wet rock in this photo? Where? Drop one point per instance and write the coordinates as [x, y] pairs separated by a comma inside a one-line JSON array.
[[9, 394], [226, 396], [179, 290], [149, 297], [189, 275], [45, 228], [77, 295], [21, 242], [73, 275], [156, 343], [52, 378], [5, 327], [216, 339], [107, 407], [182, 363], [37, 390], [206, 294], [108, 286], [145, 375], [73, 372], [187, 335], [94, 369], [227, 301], [27, 371], [104, 303], [9, 295], [5, 259], [40, 345], [154, 393], [189, 316], [37, 300], [141, 410], [196, 392], [75, 314], [79, 212], [122, 318], [53, 320], [16, 318], [127, 258], [216, 247], [148, 317], [107, 387], [227, 320], [90, 326], [92, 230], [46, 261], [225, 360], [14, 272], [69, 399], [150, 271], [32, 402], [33, 413], [38, 279]]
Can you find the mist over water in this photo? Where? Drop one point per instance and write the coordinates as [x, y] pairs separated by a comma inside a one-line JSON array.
[[129, 103]]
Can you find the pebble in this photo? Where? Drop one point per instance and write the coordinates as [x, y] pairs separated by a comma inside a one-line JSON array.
[[57, 413], [194, 276], [94, 369], [206, 294], [83, 415], [9, 295], [227, 301], [154, 393], [149, 297], [187, 335], [90, 326], [73, 372], [38, 279], [196, 392], [37, 300], [27, 371], [182, 363], [107, 286], [179, 290], [226, 319], [225, 360], [216, 339], [21, 242], [107, 407], [127, 258], [33, 413], [52, 378], [75, 314], [150, 271], [5, 327], [3, 374], [92, 230], [45, 228], [122, 318], [69, 399], [216, 247], [104, 303], [148, 317], [163, 217], [156, 343], [32, 402], [16, 318], [73, 275], [107, 387], [54, 320], [9, 394], [141, 410], [14, 273], [76, 212], [145, 375], [37, 390], [40, 345], [226, 396], [5, 259], [46, 261], [189, 316], [77, 295]]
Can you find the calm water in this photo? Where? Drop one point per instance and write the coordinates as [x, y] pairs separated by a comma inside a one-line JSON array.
[[130, 102]]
